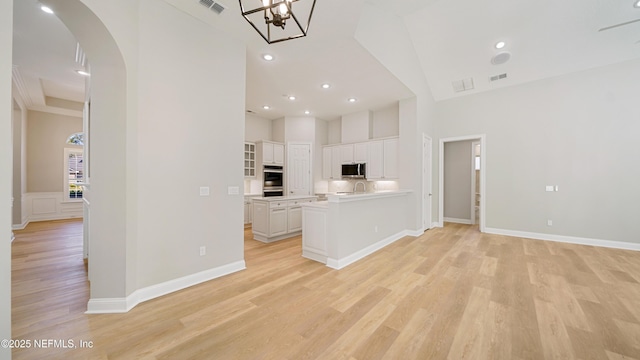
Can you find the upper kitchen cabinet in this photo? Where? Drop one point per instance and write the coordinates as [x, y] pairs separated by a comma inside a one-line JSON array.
[[249, 160], [271, 153], [383, 160], [332, 162], [354, 153]]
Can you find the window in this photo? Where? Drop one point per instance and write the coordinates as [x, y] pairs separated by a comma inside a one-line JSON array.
[[76, 139], [74, 173]]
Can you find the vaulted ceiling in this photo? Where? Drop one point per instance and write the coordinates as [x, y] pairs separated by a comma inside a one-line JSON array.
[[453, 40]]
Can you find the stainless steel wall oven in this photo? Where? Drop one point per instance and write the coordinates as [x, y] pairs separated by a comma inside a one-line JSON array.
[[273, 183]]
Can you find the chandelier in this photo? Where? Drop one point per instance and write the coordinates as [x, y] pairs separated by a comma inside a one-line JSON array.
[[270, 19]]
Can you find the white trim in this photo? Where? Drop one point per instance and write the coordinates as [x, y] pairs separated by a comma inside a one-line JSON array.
[[350, 259], [122, 305], [22, 226], [458, 221], [427, 198], [436, 224], [566, 239], [483, 175]]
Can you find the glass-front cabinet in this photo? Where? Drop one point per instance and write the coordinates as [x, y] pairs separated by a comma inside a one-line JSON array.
[[249, 159]]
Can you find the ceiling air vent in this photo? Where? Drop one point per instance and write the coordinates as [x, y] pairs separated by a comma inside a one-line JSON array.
[[498, 77], [462, 85], [213, 6]]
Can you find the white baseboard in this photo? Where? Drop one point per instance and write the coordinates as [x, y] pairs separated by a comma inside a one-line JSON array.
[[348, 260], [566, 239], [436, 224], [123, 305], [22, 226], [458, 221]]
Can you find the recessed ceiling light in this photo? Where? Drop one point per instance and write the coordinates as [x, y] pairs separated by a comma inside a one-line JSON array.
[[636, 4], [82, 72], [292, 97], [307, 112], [266, 107], [353, 99], [501, 44], [46, 9], [267, 57], [326, 86]]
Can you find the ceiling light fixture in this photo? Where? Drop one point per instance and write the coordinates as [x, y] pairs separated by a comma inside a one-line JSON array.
[[267, 57], [636, 4], [353, 100], [292, 97], [326, 86], [266, 107], [275, 14], [83, 73], [501, 44], [307, 112], [46, 9]]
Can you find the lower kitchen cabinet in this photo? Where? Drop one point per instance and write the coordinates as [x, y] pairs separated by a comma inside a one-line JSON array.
[[278, 218]]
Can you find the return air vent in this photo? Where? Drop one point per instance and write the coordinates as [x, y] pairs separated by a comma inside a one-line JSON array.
[[213, 6], [462, 85], [498, 77]]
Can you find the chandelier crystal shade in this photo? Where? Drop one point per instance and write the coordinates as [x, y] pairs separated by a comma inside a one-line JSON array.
[[279, 20]]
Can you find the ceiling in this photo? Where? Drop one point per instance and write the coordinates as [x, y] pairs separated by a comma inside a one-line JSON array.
[[454, 40]]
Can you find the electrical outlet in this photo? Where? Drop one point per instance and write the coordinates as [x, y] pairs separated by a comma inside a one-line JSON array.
[[203, 250], [375, 228], [549, 223]]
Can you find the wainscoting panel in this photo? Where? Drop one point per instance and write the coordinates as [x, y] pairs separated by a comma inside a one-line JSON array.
[[43, 206]]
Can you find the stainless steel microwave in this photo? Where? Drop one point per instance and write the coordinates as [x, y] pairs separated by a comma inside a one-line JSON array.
[[354, 171]]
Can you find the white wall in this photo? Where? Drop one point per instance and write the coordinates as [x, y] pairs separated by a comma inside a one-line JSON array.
[[579, 132], [47, 136], [385, 122], [457, 181], [6, 31], [356, 127], [391, 45], [257, 128], [178, 157], [144, 135], [334, 132]]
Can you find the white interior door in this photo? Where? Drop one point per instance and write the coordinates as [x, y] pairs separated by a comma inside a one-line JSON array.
[[299, 168], [426, 181]]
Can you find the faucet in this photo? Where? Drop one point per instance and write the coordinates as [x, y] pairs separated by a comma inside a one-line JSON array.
[[364, 186]]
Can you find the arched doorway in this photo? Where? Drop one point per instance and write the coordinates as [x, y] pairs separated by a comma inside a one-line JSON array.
[[105, 210]]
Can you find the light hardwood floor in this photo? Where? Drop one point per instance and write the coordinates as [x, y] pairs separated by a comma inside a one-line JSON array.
[[451, 293]]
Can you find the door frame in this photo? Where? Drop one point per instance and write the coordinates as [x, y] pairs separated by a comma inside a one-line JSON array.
[[483, 172], [427, 182], [473, 180]]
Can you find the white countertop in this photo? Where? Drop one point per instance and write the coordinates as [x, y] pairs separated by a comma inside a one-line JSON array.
[[284, 198], [346, 197]]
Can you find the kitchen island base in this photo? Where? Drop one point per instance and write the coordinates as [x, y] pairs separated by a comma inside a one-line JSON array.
[[346, 228]]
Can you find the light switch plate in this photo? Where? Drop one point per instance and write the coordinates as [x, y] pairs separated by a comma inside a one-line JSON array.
[[233, 190], [549, 188], [204, 191]]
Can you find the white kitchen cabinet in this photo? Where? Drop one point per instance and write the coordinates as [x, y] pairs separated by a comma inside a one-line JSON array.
[[331, 162], [277, 219], [294, 218], [270, 153], [383, 159], [346, 154], [248, 211], [360, 152], [249, 160], [390, 159], [375, 161]]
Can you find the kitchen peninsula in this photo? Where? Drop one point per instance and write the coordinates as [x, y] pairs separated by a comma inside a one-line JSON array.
[[348, 227], [278, 217]]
